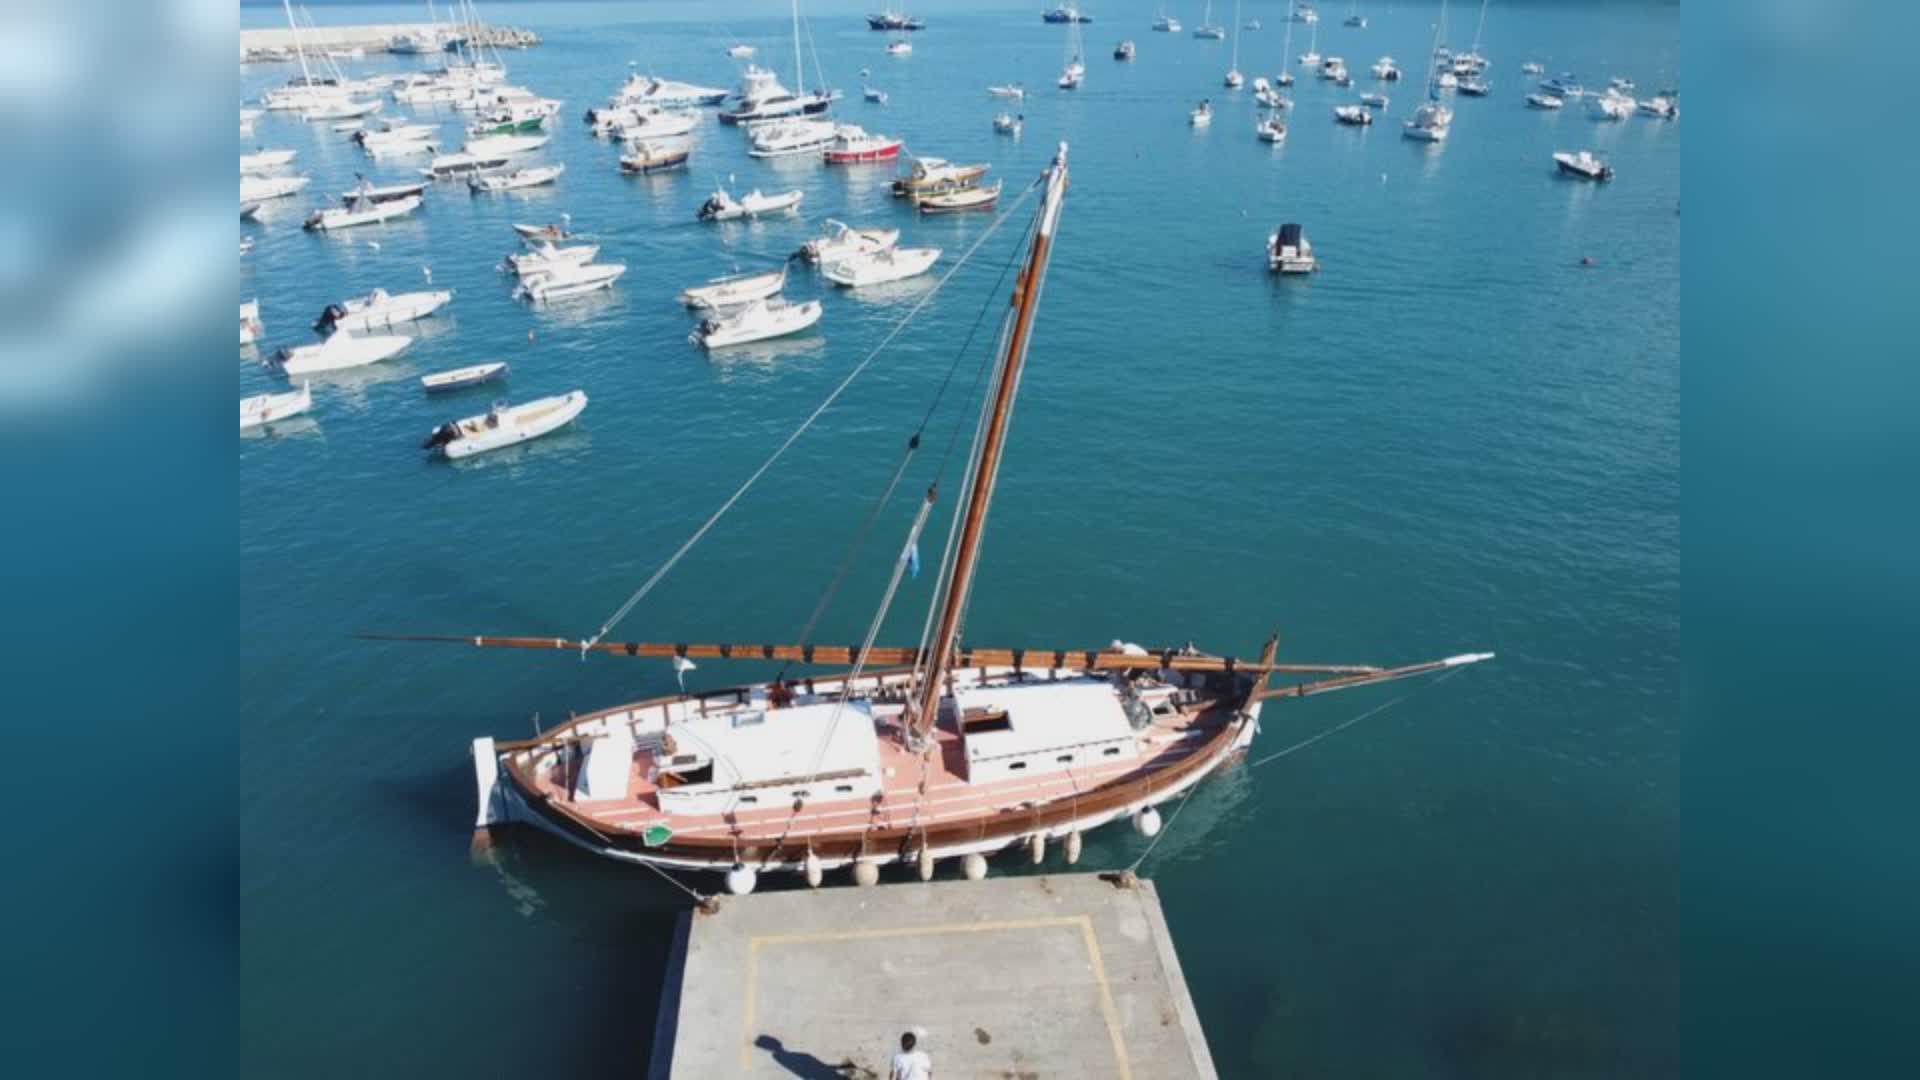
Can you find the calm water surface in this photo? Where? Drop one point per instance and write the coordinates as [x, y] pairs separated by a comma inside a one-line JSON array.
[[1453, 438]]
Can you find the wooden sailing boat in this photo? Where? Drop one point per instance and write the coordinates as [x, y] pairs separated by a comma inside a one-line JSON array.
[[914, 754]]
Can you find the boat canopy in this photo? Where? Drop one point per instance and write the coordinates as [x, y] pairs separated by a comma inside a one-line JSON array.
[[773, 756], [1290, 235]]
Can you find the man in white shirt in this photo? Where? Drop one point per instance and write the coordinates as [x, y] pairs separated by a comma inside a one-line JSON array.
[[910, 1064]]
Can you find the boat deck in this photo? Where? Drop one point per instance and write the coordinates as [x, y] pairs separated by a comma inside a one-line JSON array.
[[949, 796]]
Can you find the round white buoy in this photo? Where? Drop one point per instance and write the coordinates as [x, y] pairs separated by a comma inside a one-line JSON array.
[[1147, 822], [1037, 844], [866, 872], [975, 866], [1073, 847], [814, 871], [926, 863], [742, 879]]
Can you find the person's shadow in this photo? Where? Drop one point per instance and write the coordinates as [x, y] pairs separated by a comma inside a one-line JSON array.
[[806, 1065]]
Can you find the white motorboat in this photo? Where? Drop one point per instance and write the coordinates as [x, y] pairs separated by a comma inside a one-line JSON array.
[[345, 126], [654, 155], [546, 258], [1270, 129], [1474, 86], [665, 93], [344, 109], [550, 233], [380, 309], [359, 212], [900, 47], [1010, 90], [1375, 101], [570, 279], [505, 145], [1384, 70], [461, 378], [1289, 251], [735, 290], [740, 52], [1233, 78], [1202, 115], [396, 137], [877, 97], [1333, 69], [255, 189], [1008, 124], [537, 176], [1208, 29], [758, 321], [1353, 115], [971, 198], [263, 409], [505, 425], [842, 240], [1166, 24], [1621, 83], [341, 351], [1073, 76], [1659, 107], [266, 160], [250, 328], [1125, 50], [791, 138], [880, 267], [1532, 67], [644, 122], [368, 192], [722, 206], [1310, 58], [1543, 100], [454, 166], [1611, 105], [1446, 80], [1430, 123], [1583, 164], [1563, 85]]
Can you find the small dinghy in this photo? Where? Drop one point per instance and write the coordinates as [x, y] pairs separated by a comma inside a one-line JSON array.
[[1660, 107], [513, 181], [380, 309], [966, 199], [1007, 124], [1545, 101], [551, 234], [1123, 51], [454, 166], [721, 206], [545, 258], [265, 160], [1374, 101], [341, 351], [461, 378], [1353, 115], [842, 240], [1289, 252], [1583, 164], [1011, 90], [735, 289], [880, 267], [758, 321], [648, 156], [263, 409], [505, 425], [570, 280], [362, 213], [1202, 115], [386, 193]]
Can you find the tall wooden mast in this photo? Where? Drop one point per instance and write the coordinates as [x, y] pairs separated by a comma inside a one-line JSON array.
[[966, 558]]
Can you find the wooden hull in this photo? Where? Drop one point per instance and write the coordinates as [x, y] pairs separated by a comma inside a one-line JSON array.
[[955, 822]]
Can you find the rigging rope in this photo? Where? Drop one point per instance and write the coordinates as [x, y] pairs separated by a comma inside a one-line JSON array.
[[640, 594]]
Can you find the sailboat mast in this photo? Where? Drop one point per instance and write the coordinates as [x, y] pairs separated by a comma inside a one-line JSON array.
[[1234, 64], [799, 75], [1479, 28], [298, 49], [1026, 299]]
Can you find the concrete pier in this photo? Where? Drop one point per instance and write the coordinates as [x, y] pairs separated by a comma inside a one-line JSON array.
[[372, 38], [1054, 976]]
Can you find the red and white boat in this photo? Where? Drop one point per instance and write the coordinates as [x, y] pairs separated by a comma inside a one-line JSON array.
[[904, 755], [852, 143]]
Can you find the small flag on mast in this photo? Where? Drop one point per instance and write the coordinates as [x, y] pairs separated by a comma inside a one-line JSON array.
[[682, 665]]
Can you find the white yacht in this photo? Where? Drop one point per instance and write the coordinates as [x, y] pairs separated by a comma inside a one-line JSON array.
[[1353, 115], [1270, 129], [1430, 123], [880, 267], [1583, 164], [1008, 124], [1611, 105], [758, 321], [381, 309], [547, 258], [792, 137], [1542, 100], [1660, 107], [1384, 70], [1289, 251], [1202, 114]]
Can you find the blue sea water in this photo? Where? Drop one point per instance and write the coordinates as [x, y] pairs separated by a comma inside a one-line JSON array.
[[1453, 438]]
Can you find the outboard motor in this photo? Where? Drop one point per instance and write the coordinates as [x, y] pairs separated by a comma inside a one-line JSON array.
[[441, 436], [333, 314], [709, 208]]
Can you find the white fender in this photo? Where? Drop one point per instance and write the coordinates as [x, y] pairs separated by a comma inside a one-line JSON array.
[[1072, 847], [486, 778], [866, 872], [1037, 844], [1147, 822], [814, 871], [742, 879], [926, 863], [975, 866]]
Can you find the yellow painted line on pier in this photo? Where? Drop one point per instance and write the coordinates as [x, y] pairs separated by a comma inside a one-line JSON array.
[[1107, 1008]]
